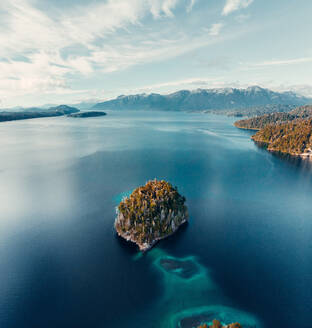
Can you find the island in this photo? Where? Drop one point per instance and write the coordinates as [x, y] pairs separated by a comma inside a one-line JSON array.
[[217, 324], [87, 114], [151, 213], [37, 113]]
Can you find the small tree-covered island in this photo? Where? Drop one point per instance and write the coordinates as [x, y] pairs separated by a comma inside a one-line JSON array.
[[151, 213]]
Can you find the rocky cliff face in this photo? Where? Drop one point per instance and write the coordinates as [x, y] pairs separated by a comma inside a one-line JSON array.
[[151, 213]]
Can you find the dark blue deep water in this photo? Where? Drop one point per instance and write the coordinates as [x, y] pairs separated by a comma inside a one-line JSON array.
[[61, 265]]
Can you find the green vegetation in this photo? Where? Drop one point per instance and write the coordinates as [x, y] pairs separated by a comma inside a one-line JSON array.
[[288, 133], [217, 324], [259, 122], [302, 111], [253, 111], [294, 138], [152, 212]]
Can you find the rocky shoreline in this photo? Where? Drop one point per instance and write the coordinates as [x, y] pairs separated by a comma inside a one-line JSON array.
[[266, 145], [146, 246]]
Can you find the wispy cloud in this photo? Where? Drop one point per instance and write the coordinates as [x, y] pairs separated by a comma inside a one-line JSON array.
[[233, 5], [162, 7], [40, 47], [81, 48], [215, 29], [303, 89], [195, 82], [190, 6], [32, 42], [283, 62]]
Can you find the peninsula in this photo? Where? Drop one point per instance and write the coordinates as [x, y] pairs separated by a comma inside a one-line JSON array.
[[293, 138], [286, 133], [151, 213]]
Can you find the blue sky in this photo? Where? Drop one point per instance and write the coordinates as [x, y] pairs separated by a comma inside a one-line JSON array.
[[57, 51]]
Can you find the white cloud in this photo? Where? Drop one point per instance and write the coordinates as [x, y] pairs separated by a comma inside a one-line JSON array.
[[215, 29], [302, 89], [39, 47], [190, 6], [233, 5], [180, 84], [32, 41], [162, 7]]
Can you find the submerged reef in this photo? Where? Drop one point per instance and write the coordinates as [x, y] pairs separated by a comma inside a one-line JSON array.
[[188, 295], [183, 268], [151, 213]]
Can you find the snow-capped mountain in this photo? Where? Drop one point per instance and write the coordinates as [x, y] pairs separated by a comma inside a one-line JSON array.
[[205, 99]]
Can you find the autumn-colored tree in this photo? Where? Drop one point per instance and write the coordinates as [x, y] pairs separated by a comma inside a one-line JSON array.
[[217, 324]]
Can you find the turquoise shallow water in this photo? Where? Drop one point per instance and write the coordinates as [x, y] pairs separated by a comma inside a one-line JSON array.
[[189, 295], [244, 256]]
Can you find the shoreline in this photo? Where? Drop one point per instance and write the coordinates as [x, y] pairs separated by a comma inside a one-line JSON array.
[[265, 145], [146, 247], [243, 128]]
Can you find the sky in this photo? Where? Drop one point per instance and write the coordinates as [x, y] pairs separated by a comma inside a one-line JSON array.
[[69, 51]]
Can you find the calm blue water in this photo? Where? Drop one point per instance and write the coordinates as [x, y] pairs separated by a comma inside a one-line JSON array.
[[249, 240]]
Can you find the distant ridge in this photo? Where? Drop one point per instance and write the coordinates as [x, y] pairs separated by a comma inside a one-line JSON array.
[[35, 112], [205, 99], [260, 122]]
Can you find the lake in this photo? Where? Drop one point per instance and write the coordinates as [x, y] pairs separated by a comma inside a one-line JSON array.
[[245, 255]]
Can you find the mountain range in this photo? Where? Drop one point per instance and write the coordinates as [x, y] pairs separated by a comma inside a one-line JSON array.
[[205, 99]]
